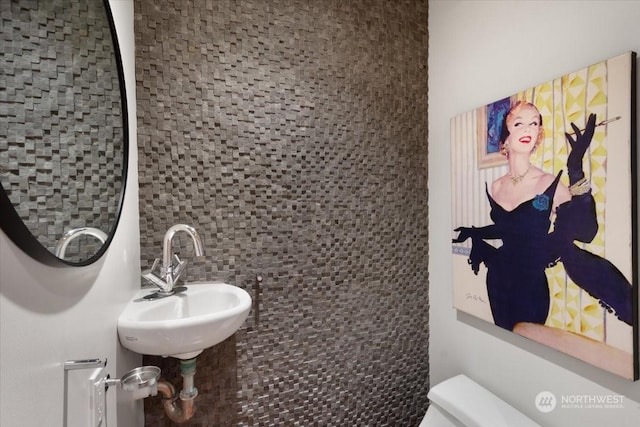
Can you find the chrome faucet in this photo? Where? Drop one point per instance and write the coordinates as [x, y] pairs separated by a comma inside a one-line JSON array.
[[74, 233], [172, 267]]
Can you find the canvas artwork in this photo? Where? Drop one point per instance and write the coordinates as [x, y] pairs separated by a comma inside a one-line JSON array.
[[544, 214]]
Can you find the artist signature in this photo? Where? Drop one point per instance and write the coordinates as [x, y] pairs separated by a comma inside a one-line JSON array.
[[474, 297]]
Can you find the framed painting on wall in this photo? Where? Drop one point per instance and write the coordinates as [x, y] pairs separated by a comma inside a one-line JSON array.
[[544, 215], [490, 118]]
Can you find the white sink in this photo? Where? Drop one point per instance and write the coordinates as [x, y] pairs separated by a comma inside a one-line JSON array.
[[184, 324]]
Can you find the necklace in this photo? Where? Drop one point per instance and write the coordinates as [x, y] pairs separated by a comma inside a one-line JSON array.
[[518, 178]]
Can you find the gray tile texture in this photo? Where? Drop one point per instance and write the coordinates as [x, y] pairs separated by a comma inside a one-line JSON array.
[[293, 136], [61, 130]]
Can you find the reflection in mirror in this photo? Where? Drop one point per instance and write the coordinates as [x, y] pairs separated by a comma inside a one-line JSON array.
[[75, 233], [63, 127]]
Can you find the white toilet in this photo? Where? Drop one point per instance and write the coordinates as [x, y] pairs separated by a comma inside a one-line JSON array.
[[459, 401]]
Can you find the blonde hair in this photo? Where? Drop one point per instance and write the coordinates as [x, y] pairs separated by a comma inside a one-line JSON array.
[[519, 105]]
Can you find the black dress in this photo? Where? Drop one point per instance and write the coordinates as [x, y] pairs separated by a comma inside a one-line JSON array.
[[516, 282]]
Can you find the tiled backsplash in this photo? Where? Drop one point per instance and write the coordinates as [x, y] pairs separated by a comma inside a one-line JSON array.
[[292, 136]]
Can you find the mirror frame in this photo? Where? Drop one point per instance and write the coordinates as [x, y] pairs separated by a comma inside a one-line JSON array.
[[13, 226]]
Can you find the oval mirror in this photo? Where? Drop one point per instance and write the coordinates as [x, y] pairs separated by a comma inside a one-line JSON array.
[[63, 129]]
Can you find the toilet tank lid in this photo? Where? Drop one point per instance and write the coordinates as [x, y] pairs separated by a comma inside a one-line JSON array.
[[475, 406]]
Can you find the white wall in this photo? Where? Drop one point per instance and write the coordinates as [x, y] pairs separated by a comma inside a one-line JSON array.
[[51, 315], [480, 51]]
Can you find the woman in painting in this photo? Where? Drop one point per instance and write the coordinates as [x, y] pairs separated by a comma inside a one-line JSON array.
[[525, 203]]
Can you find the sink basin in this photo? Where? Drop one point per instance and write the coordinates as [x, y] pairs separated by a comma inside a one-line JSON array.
[[198, 316]]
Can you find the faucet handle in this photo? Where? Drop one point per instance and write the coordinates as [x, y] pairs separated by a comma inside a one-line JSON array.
[[155, 280], [151, 277], [179, 268], [156, 268], [174, 263], [176, 260]]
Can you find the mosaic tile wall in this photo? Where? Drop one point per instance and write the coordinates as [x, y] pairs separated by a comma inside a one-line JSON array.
[[60, 118], [292, 135]]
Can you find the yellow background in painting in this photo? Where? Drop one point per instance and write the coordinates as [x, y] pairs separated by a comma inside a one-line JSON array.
[[561, 102]]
